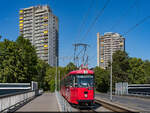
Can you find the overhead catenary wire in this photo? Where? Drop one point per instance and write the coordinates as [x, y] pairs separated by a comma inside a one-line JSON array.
[[95, 19], [83, 22], [81, 26], [123, 16], [132, 28], [136, 25]]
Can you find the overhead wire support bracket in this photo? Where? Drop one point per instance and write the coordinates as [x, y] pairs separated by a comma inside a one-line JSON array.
[[81, 49]]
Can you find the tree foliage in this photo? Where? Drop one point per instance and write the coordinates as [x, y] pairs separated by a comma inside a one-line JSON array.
[[101, 79], [124, 69], [136, 72], [120, 67], [70, 67], [19, 63]]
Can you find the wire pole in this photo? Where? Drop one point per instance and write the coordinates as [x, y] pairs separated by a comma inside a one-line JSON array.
[[111, 73], [59, 79], [56, 76]]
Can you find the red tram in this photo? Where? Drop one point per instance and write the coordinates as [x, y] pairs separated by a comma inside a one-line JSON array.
[[78, 87]]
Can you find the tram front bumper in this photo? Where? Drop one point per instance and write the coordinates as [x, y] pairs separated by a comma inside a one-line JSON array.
[[85, 101]]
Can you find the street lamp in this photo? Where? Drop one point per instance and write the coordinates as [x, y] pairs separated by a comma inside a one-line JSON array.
[[56, 76], [111, 72]]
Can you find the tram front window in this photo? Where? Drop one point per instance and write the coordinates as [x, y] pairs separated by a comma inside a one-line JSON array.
[[84, 80]]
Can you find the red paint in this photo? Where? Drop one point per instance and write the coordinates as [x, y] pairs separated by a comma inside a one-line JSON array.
[[80, 72], [72, 94]]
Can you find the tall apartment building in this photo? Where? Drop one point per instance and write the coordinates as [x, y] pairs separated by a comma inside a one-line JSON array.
[[40, 26], [104, 45]]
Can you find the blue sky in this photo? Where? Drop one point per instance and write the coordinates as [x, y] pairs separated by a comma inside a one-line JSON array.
[[71, 14]]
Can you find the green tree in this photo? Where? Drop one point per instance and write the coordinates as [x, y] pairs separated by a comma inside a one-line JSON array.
[[41, 69], [120, 67], [50, 79], [28, 58], [136, 72], [8, 70], [147, 71], [18, 61], [70, 67], [101, 79]]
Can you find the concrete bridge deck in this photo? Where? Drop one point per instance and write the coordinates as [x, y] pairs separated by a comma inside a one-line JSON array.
[[44, 103]]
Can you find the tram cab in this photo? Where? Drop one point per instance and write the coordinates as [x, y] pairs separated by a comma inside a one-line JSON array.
[[78, 87]]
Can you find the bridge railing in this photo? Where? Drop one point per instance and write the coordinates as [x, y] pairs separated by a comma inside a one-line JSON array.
[[10, 101], [63, 104], [139, 93], [123, 88]]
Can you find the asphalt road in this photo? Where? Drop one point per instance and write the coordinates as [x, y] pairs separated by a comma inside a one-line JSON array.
[[141, 104]]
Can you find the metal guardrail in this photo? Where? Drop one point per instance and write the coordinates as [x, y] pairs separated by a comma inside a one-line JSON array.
[[143, 94], [15, 86], [11, 101], [123, 88], [63, 104]]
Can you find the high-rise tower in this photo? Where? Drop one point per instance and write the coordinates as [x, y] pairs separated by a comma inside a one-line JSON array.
[[40, 26], [110, 41]]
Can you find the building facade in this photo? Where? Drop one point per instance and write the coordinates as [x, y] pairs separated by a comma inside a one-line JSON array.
[[107, 43], [40, 26]]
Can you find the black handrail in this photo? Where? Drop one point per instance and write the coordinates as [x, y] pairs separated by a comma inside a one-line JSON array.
[[16, 93]]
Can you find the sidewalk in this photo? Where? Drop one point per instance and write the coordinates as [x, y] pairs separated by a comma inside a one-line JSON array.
[[44, 103]]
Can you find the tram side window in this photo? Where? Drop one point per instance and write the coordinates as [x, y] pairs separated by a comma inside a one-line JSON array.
[[65, 82], [62, 82], [74, 81], [71, 80], [68, 81]]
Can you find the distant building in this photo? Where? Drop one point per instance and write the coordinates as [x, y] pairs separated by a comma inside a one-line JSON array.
[[40, 26], [104, 47]]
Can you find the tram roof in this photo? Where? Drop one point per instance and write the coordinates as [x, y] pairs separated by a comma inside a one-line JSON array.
[[82, 71]]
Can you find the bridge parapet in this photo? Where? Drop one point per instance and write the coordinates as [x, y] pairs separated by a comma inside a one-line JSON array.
[[10, 101], [25, 92], [123, 88]]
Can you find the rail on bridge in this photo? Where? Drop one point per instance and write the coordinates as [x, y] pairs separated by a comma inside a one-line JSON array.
[[23, 92], [123, 88]]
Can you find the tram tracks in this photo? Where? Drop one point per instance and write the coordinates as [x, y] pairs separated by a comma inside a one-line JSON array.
[[88, 109], [115, 107], [92, 109], [107, 107]]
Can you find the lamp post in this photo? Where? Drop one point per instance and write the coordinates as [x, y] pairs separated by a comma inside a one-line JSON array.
[[59, 80], [111, 73], [56, 76]]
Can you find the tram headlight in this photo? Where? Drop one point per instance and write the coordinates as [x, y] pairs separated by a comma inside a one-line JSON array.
[[85, 95]]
